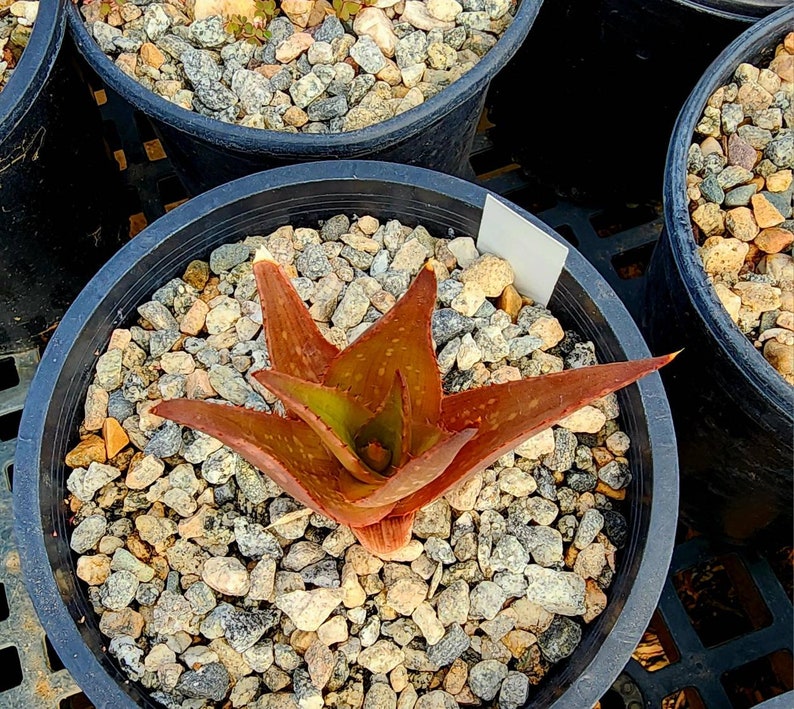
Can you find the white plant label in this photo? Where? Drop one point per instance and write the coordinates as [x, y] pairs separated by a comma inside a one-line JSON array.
[[537, 259]]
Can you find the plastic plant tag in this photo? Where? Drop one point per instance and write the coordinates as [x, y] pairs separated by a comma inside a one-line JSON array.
[[537, 258]]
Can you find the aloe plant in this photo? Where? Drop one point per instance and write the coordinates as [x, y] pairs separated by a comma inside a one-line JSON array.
[[370, 437]]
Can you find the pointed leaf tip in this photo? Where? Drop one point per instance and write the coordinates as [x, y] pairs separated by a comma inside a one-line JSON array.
[[263, 254]]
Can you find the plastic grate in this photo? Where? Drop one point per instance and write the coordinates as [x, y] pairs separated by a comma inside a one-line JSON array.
[[30, 678], [684, 670]]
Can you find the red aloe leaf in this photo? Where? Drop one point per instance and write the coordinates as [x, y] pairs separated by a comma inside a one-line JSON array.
[[400, 340], [331, 414], [391, 424], [506, 414], [388, 535], [286, 450], [418, 472], [294, 343]]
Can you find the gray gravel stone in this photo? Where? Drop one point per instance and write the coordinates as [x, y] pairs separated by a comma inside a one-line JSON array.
[[560, 592], [119, 590], [487, 599], [454, 643], [485, 678], [254, 541], [368, 55], [210, 681], [447, 324], [158, 315], [209, 32], [243, 629], [590, 524], [166, 441], [615, 474], [227, 256], [560, 639], [200, 67], [87, 534], [514, 691]]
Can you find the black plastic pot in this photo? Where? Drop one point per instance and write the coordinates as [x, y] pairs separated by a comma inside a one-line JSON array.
[[732, 410], [61, 211], [206, 153], [259, 204], [607, 79]]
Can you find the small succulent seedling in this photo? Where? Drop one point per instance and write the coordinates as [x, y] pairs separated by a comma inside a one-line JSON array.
[[370, 437], [253, 30], [347, 9], [105, 6]]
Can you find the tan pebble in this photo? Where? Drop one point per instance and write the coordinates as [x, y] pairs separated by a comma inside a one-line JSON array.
[[779, 266], [766, 214], [781, 334], [780, 356], [295, 116], [783, 66], [467, 698], [570, 556], [721, 255], [709, 218], [741, 223], [91, 449], [269, 70], [301, 640], [115, 436], [390, 74], [197, 274], [774, 240], [754, 97], [595, 601], [779, 181], [604, 489], [788, 42], [119, 339], [369, 225], [711, 145], [398, 678], [785, 320], [205, 8], [602, 456], [456, 677], [730, 301], [193, 320], [151, 55], [510, 301], [298, 11], [517, 641], [758, 296], [197, 385], [93, 569], [292, 47]]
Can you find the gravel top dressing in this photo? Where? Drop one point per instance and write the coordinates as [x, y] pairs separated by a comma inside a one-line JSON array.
[[16, 23], [740, 190], [217, 589], [304, 69]]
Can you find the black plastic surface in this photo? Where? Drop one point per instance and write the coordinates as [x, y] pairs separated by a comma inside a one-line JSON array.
[[258, 204], [60, 210], [605, 81], [205, 152], [733, 412]]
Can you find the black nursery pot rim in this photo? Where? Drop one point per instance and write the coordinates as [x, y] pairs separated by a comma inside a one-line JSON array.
[[35, 65], [745, 10], [349, 144], [764, 35], [649, 553]]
